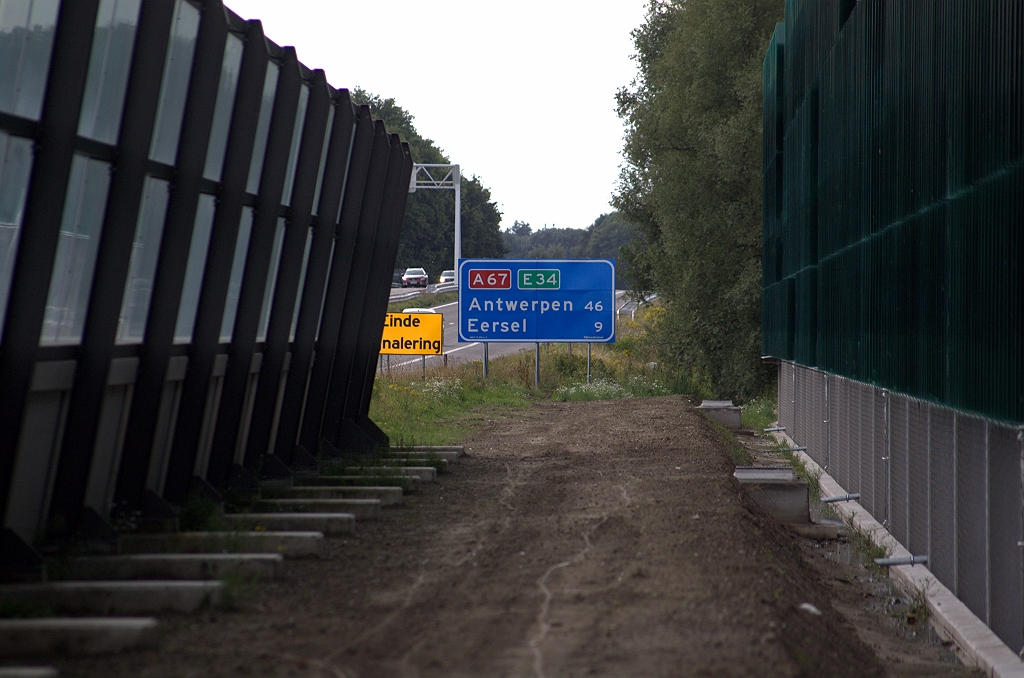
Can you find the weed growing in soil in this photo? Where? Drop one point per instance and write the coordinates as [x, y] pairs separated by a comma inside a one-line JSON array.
[[868, 549], [199, 514]]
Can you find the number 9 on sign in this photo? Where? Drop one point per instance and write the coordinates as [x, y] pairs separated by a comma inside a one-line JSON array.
[[598, 327]]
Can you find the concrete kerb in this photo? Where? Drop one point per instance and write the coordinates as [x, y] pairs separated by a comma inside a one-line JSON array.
[[117, 597], [387, 495], [174, 566], [76, 636], [363, 509], [288, 543], [327, 523], [28, 672], [974, 642]]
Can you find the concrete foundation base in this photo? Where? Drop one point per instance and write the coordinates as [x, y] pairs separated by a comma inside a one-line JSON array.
[[116, 597], [288, 544], [175, 566], [778, 492], [76, 636], [327, 523], [362, 509], [387, 496]]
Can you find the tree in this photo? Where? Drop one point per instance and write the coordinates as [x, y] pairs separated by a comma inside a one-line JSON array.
[[692, 182], [603, 239], [428, 228]]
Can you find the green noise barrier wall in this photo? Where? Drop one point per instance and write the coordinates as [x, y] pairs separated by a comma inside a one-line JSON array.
[[893, 233]]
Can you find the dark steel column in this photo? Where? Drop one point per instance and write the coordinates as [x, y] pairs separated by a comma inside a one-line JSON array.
[[40, 231], [112, 259], [335, 171], [395, 198], [337, 284], [257, 263], [285, 292], [210, 311], [348, 339], [174, 248]]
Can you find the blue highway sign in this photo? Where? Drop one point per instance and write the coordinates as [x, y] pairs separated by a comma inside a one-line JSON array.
[[525, 300]]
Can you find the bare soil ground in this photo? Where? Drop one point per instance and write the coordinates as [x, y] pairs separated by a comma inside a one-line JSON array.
[[574, 539]]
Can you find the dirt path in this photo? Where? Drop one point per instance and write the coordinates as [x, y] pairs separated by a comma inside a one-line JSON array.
[[574, 539]]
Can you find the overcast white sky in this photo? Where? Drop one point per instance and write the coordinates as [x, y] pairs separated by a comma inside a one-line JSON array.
[[518, 92]]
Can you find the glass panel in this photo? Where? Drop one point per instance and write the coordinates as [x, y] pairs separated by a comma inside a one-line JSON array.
[[293, 154], [323, 160], [194, 269], [268, 289], [26, 39], [142, 268], [227, 324], [75, 260], [302, 281], [112, 44], [259, 147], [323, 297], [223, 108], [15, 169], [174, 86]]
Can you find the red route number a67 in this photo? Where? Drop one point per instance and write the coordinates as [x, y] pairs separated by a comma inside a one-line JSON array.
[[490, 279]]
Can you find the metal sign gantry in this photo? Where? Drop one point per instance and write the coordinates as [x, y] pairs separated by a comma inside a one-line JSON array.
[[423, 176]]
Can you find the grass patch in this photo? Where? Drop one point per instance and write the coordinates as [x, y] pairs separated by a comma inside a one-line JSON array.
[[759, 413], [443, 407]]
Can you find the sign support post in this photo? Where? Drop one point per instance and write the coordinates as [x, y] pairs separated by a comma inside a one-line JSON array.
[[588, 362], [486, 358], [536, 369]]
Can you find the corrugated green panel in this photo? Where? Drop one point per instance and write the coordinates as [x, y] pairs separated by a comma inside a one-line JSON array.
[[902, 193]]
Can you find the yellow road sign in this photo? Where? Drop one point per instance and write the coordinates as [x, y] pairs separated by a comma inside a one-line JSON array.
[[413, 334]]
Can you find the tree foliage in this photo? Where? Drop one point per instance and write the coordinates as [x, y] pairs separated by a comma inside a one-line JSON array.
[[428, 229], [692, 182], [603, 239]]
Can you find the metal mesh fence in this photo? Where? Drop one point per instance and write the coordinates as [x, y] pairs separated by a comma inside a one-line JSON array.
[[971, 518], [917, 476], [942, 557], [898, 484], [1006, 566], [947, 484]]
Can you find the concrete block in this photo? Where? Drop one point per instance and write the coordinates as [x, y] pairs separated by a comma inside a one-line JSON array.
[[388, 496], [776, 491], [440, 464], [288, 544], [408, 483], [76, 636], [362, 509], [425, 473], [116, 597], [448, 452], [327, 523], [450, 457], [28, 672], [175, 566], [723, 412]]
